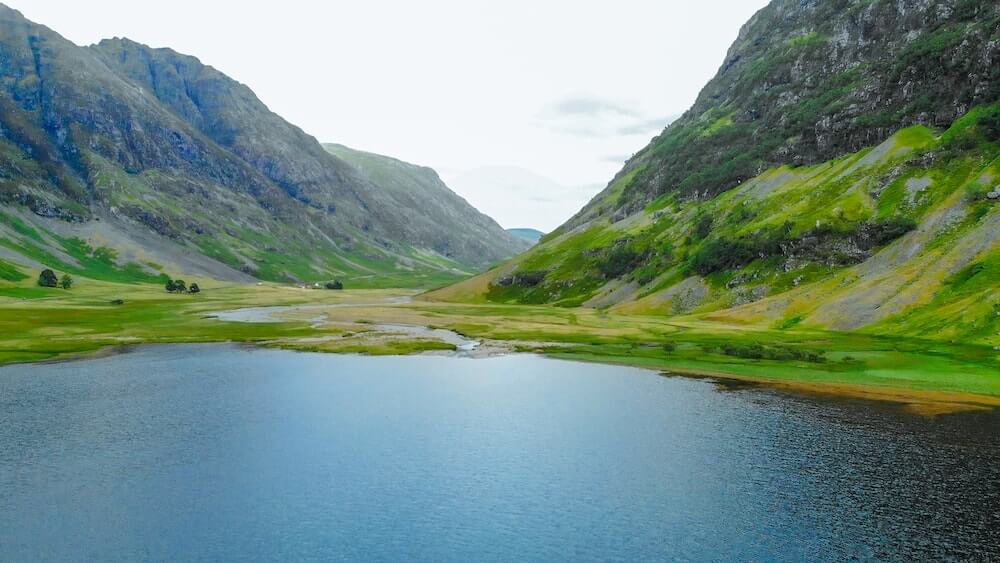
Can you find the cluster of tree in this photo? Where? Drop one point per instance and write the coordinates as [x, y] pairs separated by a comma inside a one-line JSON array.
[[529, 278], [755, 351], [620, 259], [48, 279], [719, 254], [180, 286], [335, 284]]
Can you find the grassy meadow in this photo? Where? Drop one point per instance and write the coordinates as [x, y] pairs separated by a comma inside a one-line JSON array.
[[39, 324]]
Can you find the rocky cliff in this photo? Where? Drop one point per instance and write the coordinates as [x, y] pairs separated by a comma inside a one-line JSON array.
[[810, 80]]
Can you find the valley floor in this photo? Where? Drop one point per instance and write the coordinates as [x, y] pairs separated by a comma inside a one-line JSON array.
[[929, 376]]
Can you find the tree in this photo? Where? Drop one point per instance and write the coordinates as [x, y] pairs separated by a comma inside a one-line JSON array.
[[180, 286], [66, 282], [170, 286], [335, 284], [48, 278], [194, 288]]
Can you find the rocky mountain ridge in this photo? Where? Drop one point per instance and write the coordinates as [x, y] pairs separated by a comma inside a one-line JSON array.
[[807, 81], [149, 141]]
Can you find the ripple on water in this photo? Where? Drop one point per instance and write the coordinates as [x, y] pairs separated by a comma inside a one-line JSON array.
[[233, 453]]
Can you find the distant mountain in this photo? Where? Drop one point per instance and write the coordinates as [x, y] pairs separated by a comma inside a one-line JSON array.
[[447, 220], [530, 235], [842, 170], [145, 161]]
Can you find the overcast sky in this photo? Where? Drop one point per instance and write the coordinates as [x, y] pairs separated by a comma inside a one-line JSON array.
[[561, 91]]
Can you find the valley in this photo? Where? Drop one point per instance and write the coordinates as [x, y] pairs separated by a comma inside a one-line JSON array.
[[825, 216], [657, 299]]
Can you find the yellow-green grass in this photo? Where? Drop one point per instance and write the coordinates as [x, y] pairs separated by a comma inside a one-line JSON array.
[[42, 323], [688, 345], [395, 345]]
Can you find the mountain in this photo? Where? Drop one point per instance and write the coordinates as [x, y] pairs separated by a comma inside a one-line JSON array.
[[123, 161], [530, 235], [446, 220], [841, 170]]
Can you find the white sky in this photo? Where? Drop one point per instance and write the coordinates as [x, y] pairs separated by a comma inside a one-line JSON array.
[[564, 90]]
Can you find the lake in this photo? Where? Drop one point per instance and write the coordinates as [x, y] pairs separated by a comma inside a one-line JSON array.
[[225, 452]]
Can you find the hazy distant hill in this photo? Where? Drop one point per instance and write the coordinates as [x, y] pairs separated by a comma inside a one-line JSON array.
[[452, 226], [530, 235], [172, 166]]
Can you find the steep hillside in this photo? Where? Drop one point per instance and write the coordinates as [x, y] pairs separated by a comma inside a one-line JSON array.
[[842, 170], [168, 164], [445, 221], [808, 81]]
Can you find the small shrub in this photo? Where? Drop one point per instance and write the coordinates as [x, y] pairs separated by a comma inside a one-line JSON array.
[[722, 254], [703, 226], [335, 284], [880, 233], [645, 276], [756, 351], [194, 288], [48, 278], [66, 281], [989, 125]]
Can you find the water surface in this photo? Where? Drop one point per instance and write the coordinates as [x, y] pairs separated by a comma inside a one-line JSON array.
[[223, 452]]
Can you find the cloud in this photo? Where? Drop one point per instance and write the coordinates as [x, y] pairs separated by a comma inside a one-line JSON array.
[[502, 192], [599, 118], [591, 107], [617, 158], [647, 126]]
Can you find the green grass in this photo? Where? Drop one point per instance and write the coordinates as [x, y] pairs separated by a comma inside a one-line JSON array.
[[42, 323], [792, 353], [10, 272], [389, 347], [894, 363]]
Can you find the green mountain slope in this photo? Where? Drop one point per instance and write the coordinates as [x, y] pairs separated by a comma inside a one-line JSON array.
[[875, 210], [172, 166]]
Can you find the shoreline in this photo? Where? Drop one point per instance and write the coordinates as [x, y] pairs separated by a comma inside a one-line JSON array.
[[915, 401], [925, 376]]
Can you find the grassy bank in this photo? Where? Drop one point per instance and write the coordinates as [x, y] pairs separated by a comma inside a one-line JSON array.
[[46, 323], [41, 323]]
